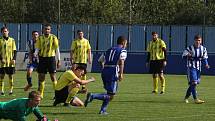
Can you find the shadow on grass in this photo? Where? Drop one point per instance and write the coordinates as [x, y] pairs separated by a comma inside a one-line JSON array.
[[147, 101], [67, 113]]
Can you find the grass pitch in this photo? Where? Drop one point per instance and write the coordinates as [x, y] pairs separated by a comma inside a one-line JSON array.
[[133, 102]]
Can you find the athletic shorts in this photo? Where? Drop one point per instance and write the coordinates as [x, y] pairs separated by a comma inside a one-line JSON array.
[[46, 64], [61, 95], [110, 79], [156, 66], [33, 65], [193, 75], [7, 70]]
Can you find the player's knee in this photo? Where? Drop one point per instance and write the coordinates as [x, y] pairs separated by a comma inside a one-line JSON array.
[[194, 83], [29, 73], [155, 75], [41, 77], [53, 78], [10, 76], [78, 85]]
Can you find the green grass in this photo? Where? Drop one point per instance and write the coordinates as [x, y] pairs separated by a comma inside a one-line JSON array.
[[133, 102]]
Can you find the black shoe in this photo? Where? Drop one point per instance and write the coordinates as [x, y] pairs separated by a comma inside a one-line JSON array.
[[154, 92], [11, 94], [88, 99], [2, 94], [162, 92], [67, 105], [55, 103]]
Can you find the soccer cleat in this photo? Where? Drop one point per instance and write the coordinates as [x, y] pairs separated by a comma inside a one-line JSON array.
[[162, 92], [103, 113], [2, 94], [11, 94], [27, 87], [67, 105], [186, 100], [55, 103], [154, 92], [88, 99], [198, 101]]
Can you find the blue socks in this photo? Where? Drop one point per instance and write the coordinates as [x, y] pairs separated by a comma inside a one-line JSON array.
[[191, 89], [104, 97]]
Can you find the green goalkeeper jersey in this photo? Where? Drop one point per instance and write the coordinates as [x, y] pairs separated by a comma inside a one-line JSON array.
[[17, 110]]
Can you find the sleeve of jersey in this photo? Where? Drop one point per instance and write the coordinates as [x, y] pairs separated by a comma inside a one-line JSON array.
[[37, 45], [163, 44], [14, 45], [185, 53], [205, 56], [38, 113], [56, 42], [73, 45], [101, 58], [148, 47], [123, 55], [89, 47]]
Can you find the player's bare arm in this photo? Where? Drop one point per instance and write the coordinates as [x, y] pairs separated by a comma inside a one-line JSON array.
[[121, 69]]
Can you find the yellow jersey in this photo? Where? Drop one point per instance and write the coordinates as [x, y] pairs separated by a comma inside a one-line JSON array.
[[47, 45], [155, 49], [65, 79], [7, 48], [80, 48]]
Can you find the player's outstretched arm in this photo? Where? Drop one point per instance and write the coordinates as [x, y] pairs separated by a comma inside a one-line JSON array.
[[83, 82]]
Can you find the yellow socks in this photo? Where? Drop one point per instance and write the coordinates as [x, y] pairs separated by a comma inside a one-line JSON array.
[[71, 94], [41, 88], [162, 79], [155, 84]]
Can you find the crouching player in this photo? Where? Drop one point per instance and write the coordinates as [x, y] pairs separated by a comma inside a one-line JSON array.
[[68, 86], [18, 109], [113, 66], [195, 54]]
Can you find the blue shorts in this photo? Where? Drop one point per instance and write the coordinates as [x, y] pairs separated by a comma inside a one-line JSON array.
[[110, 77], [193, 75], [32, 65]]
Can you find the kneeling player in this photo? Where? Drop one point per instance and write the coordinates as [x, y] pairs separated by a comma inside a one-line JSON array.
[[68, 86]]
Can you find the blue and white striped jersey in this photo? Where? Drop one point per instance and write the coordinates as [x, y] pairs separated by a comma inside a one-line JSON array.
[[31, 49], [199, 54]]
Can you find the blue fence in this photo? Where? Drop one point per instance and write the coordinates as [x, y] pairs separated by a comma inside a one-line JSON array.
[[135, 63], [103, 36]]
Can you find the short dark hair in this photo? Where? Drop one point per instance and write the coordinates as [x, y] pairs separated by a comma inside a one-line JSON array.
[[197, 36], [81, 67], [34, 32], [3, 28], [33, 94], [154, 33], [121, 39], [79, 31], [46, 25]]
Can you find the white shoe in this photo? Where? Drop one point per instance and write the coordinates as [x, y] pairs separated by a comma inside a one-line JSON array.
[[186, 100]]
